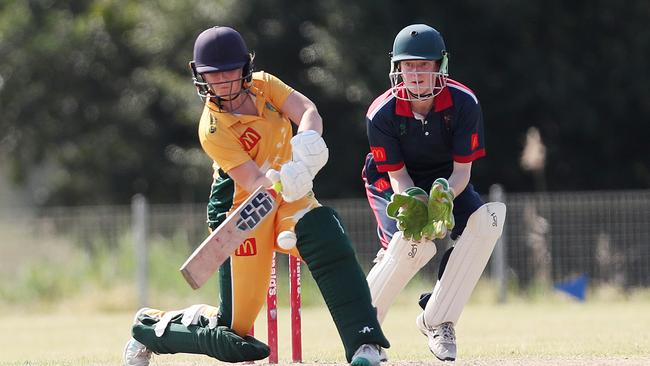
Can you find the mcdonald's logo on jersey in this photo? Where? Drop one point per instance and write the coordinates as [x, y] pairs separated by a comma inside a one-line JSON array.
[[379, 153], [382, 184], [247, 248], [249, 139]]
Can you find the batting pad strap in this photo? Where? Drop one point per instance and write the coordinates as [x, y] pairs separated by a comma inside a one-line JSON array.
[[188, 316], [193, 314], [165, 320], [465, 265]]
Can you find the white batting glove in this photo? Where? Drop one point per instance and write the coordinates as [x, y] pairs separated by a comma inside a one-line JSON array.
[[296, 180], [274, 176], [310, 148]]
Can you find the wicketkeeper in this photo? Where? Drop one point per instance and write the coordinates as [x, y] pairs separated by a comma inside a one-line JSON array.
[[246, 130], [424, 133]]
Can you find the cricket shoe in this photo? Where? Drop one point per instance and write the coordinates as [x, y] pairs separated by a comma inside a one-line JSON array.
[[136, 353], [368, 355], [441, 339]]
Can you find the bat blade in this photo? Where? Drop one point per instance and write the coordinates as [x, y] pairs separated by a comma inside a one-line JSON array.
[[226, 238]]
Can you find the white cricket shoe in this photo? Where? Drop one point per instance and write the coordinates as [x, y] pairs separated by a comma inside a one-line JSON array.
[[136, 353], [383, 357], [368, 355], [442, 339]]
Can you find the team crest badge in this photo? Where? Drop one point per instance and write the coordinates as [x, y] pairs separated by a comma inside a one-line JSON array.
[[213, 124]]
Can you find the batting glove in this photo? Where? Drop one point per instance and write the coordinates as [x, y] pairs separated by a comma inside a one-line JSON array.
[[309, 148], [296, 180]]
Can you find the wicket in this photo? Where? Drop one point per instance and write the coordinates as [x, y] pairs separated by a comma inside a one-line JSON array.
[[272, 311]]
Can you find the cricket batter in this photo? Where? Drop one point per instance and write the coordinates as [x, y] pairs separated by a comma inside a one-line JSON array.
[[246, 130], [424, 134]]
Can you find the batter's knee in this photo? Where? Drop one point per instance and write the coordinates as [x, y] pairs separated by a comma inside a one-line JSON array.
[[321, 237]]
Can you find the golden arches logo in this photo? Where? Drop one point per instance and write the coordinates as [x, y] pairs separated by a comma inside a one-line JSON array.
[[247, 248], [379, 153], [249, 139]]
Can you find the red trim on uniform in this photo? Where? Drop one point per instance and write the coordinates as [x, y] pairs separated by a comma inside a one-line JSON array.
[[403, 107], [443, 100], [371, 201], [474, 141], [383, 168], [469, 158]]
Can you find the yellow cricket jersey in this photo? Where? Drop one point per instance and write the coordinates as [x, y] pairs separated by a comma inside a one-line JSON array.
[[231, 140]]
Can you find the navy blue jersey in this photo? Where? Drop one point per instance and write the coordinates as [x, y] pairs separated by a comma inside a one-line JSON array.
[[452, 131]]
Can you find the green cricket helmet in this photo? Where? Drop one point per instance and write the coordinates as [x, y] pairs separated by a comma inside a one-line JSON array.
[[418, 42]]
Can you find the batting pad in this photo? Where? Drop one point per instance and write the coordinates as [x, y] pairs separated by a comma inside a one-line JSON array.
[[395, 268], [466, 263], [221, 342], [326, 249]]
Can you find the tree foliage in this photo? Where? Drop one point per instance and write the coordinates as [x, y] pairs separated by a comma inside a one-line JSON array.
[[96, 102]]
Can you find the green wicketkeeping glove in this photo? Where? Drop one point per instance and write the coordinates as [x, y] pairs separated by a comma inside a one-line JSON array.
[[411, 213], [440, 211]]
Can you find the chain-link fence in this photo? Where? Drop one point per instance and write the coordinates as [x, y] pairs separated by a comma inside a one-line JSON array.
[[606, 235], [548, 237]]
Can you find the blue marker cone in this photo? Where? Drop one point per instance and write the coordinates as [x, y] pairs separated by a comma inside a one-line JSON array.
[[576, 287]]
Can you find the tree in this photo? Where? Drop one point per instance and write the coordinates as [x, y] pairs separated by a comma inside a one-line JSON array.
[[97, 104]]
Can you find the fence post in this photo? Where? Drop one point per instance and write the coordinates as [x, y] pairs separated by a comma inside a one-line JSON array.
[[139, 220], [498, 263]]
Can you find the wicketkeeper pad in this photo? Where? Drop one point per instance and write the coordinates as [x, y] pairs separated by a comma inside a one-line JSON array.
[[465, 265]]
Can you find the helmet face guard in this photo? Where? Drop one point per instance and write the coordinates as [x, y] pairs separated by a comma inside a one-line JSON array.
[[418, 42], [205, 89], [219, 49], [427, 84]]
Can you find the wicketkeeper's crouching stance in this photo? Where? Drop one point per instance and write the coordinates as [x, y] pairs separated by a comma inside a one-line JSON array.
[[424, 133], [246, 129]]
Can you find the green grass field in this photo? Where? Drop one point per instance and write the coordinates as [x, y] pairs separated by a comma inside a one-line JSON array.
[[554, 333], [66, 307]]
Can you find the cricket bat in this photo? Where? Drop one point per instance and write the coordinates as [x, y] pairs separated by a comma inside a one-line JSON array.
[[228, 236]]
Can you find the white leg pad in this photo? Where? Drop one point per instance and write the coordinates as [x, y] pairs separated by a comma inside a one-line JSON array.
[[465, 265], [399, 263]]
